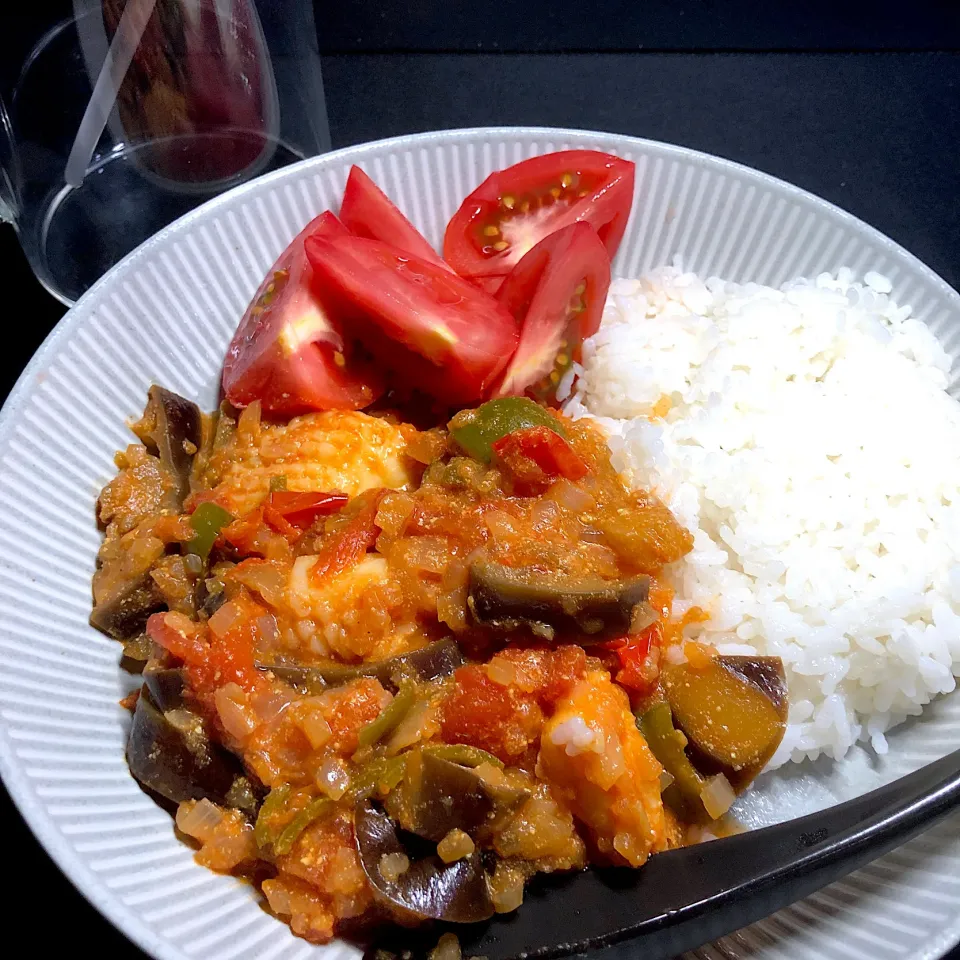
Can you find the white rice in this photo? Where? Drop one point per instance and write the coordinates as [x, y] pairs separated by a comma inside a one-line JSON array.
[[814, 453]]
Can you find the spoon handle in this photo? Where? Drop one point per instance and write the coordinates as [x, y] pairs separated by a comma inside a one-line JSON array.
[[686, 897]]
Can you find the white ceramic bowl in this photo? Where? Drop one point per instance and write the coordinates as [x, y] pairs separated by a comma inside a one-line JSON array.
[[166, 314]]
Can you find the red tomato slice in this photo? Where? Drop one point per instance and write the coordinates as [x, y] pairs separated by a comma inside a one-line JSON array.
[[436, 331], [366, 211], [288, 352], [349, 547], [301, 509], [514, 209], [639, 658], [556, 293], [547, 449]]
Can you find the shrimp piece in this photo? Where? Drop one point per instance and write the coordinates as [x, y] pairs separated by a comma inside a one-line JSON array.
[[597, 761]]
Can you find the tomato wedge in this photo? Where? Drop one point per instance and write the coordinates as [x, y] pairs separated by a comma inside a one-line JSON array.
[[514, 209], [556, 293], [366, 211], [437, 332], [288, 352]]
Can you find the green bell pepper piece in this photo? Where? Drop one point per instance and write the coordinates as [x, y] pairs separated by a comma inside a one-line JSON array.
[[476, 431], [314, 810], [207, 522], [390, 716], [667, 745], [265, 832], [462, 753], [377, 776]]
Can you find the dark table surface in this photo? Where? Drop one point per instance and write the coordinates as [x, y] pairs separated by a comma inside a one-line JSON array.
[[877, 133]]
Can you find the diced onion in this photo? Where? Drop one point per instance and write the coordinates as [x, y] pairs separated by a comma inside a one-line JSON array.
[[428, 554], [268, 705], [198, 818], [544, 514], [393, 865], [394, 511], [570, 496], [420, 723], [237, 719], [455, 846], [502, 671], [674, 654], [266, 578], [666, 778], [225, 619], [311, 721], [267, 628], [333, 777], [278, 896], [452, 608], [447, 948], [717, 796], [506, 887], [643, 616]]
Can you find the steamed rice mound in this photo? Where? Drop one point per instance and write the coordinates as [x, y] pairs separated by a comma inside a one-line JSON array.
[[806, 437]]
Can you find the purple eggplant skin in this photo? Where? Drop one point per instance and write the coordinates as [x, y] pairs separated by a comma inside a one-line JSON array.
[[178, 761], [438, 796], [124, 615], [165, 685], [174, 434], [508, 599], [430, 889]]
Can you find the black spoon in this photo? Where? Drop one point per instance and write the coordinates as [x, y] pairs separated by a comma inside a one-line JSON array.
[[687, 897]]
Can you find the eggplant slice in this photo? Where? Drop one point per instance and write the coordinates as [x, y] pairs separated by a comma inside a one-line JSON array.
[[165, 686], [124, 615], [733, 712], [438, 796], [173, 431], [508, 599], [170, 754], [430, 889], [437, 659]]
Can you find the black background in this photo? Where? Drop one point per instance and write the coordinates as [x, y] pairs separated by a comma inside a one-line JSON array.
[[859, 103]]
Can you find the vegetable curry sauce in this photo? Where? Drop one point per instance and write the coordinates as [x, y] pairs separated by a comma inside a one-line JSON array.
[[392, 673]]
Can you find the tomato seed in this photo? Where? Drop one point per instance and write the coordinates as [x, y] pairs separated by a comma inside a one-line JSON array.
[[500, 245], [508, 201], [491, 231], [566, 179]]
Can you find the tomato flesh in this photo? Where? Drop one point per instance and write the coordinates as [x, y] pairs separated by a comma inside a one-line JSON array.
[[366, 211], [288, 351], [352, 543], [436, 331], [210, 661], [301, 509], [556, 293], [536, 456], [639, 658], [514, 209]]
